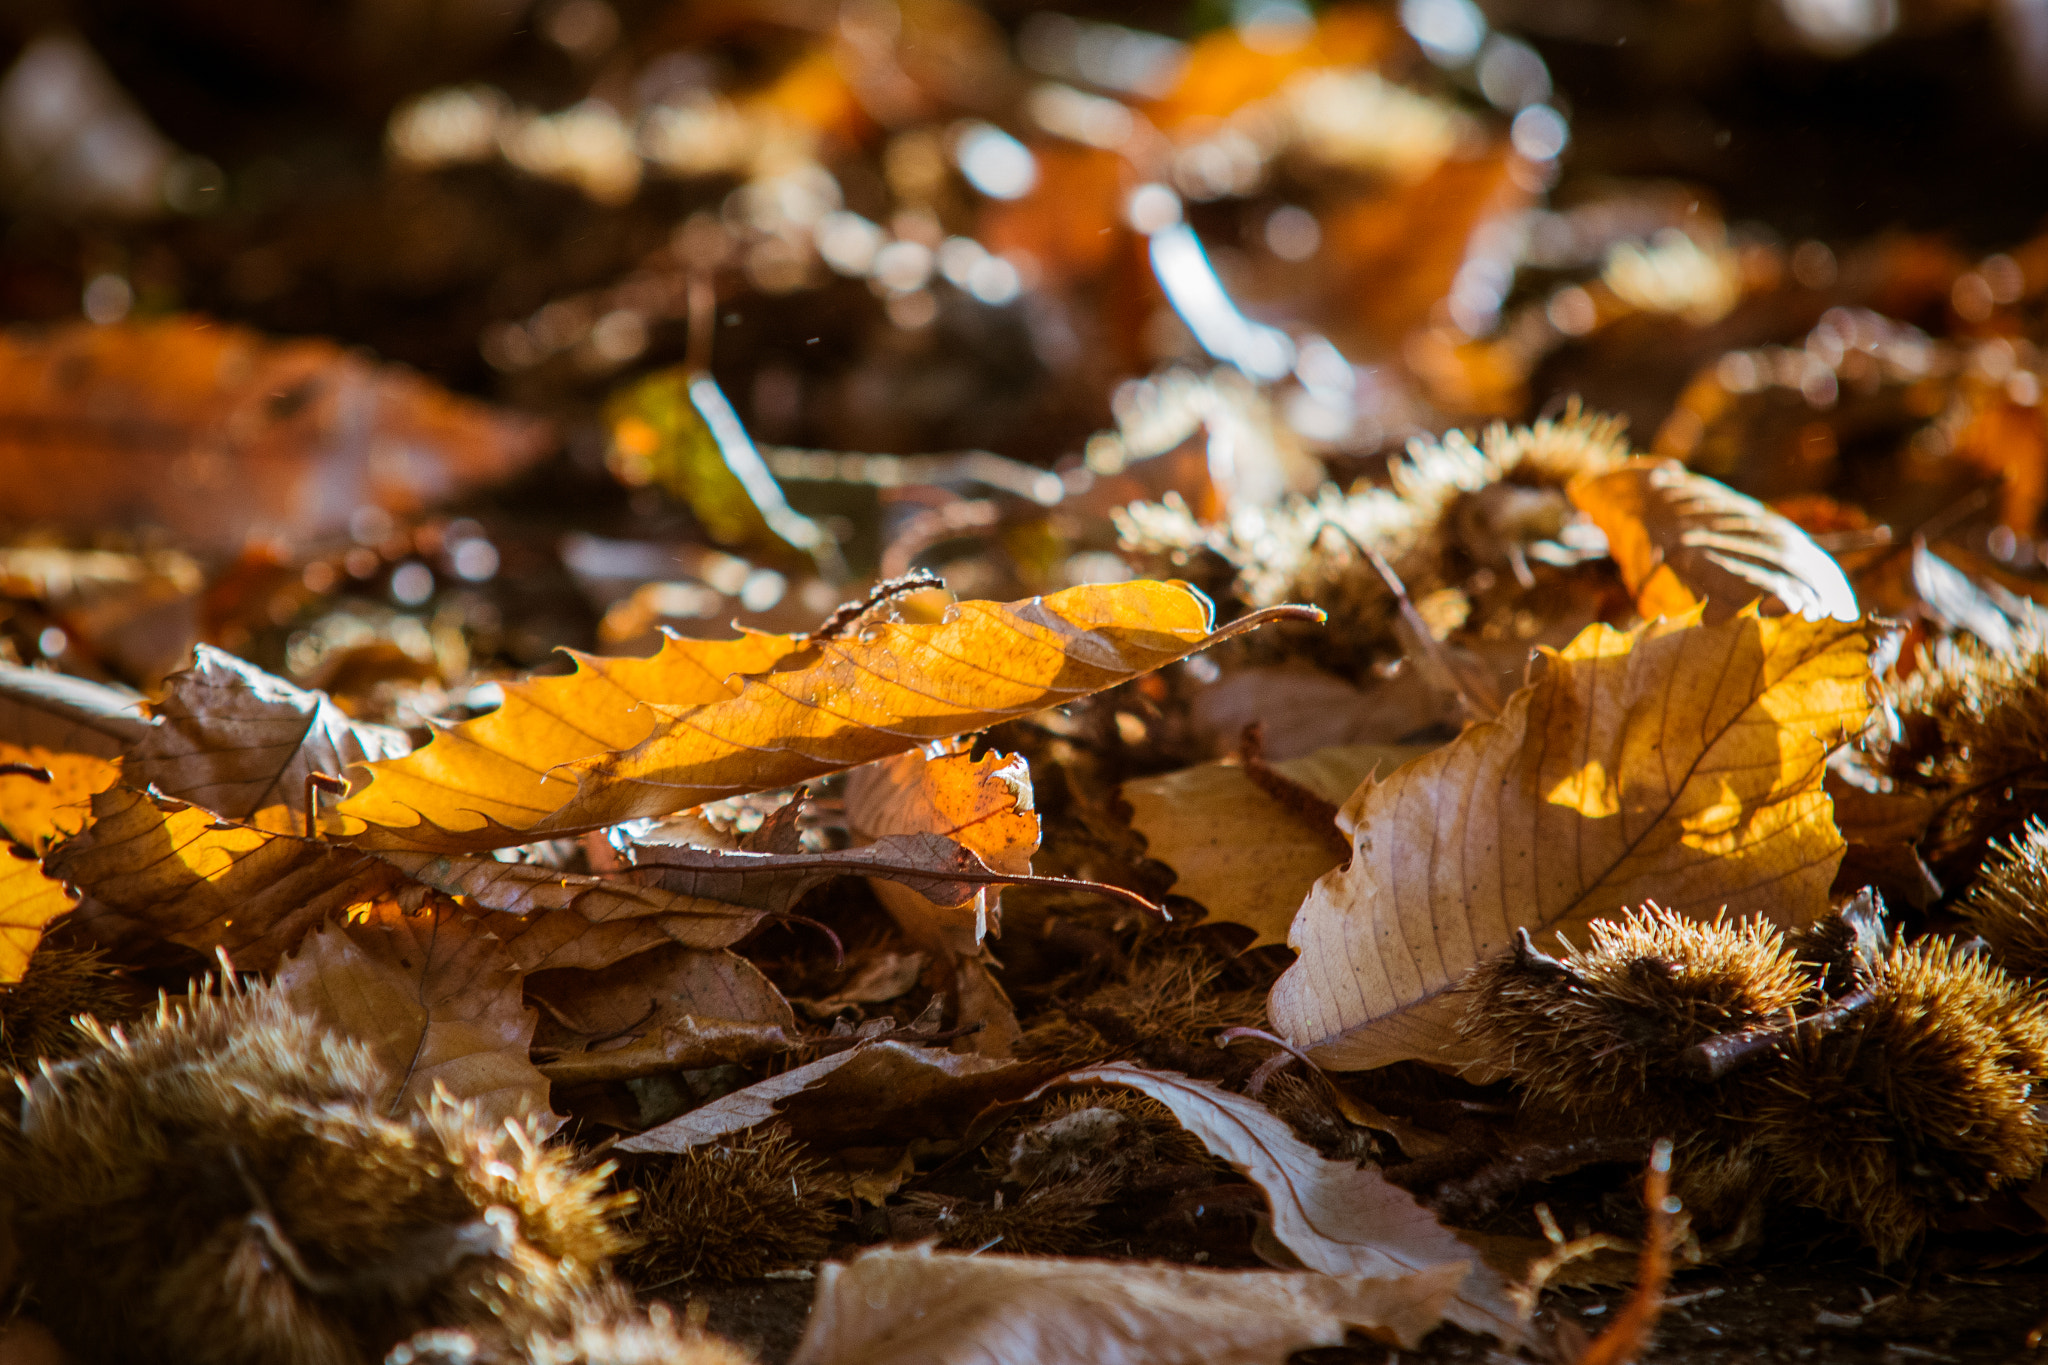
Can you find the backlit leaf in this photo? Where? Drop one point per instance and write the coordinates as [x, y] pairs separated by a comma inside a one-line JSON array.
[[29, 901], [1681, 538], [1677, 764]]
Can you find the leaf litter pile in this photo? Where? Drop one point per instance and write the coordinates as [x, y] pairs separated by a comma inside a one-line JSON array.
[[892, 681]]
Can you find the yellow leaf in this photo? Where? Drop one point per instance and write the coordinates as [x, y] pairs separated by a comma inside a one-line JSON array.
[[896, 686], [692, 731], [29, 900], [1680, 538], [1244, 856], [1710, 744], [486, 782], [34, 813]]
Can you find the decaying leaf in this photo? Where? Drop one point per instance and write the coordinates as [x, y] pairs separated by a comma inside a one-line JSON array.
[[1682, 538], [832, 704], [918, 1306], [241, 743], [491, 782], [218, 434], [1681, 764], [432, 996], [670, 1009], [1243, 854], [873, 1092], [1335, 1217]]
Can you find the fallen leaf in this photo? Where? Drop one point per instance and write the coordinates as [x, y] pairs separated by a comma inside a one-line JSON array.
[[67, 715], [1334, 1217], [1243, 855], [918, 1306], [870, 1094], [1679, 762], [219, 435], [241, 743], [489, 782], [895, 686], [172, 871], [435, 1000], [35, 813], [984, 805], [1304, 710], [29, 901], [1681, 538], [671, 1009]]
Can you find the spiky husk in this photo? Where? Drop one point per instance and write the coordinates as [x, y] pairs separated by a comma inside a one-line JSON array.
[[1308, 549], [605, 1329], [732, 1211], [222, 1186], [1606, 1039], [1056, 1218], [37, 1012], [1975, 725], [2009, 906], [1170, 1007], [1921, 1100]]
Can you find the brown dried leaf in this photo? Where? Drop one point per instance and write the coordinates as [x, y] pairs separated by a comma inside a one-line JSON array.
[[432, 996], [870, 1094], [671, 1009], [241, 743], [1680, 763], [219, 434], [918, 1306], [1333, 1216], [1680, 538], [835, 704], [174, 872], [66, 715], [1243, 855]]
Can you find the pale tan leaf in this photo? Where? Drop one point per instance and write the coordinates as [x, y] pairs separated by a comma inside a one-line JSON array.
[[917, 1306], [892, 687], [434, 999], [1246, 857], [872, 1093], [670, 1009], [1679, 763], [1304, 709], [29, 901], [550, 939], [1333, 1216], [241, 743], [1681, 538], [66, 715], [490, 782]]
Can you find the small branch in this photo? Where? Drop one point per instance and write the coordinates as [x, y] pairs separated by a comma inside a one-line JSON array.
[[1299, 800], [1629, 1333], [844, 616], [1716, 1058], [1533, 961], [27, 770], [315, 784]]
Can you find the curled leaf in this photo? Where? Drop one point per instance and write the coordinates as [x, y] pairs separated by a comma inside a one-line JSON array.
[[899, 1305], [671, 1009], [1683, 765], [241, 743], [1335, 1217], [1682, 538]]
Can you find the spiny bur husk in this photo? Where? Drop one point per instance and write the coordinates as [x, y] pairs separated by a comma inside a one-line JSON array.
[[1604, 1035], [1975, 724], [605, 1329], [222, 1187], [1172, 1004], [1055, 1218], [37, 1013], [732, 1211], [1922, 1099], [1079, 1131], [2009, 906]]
